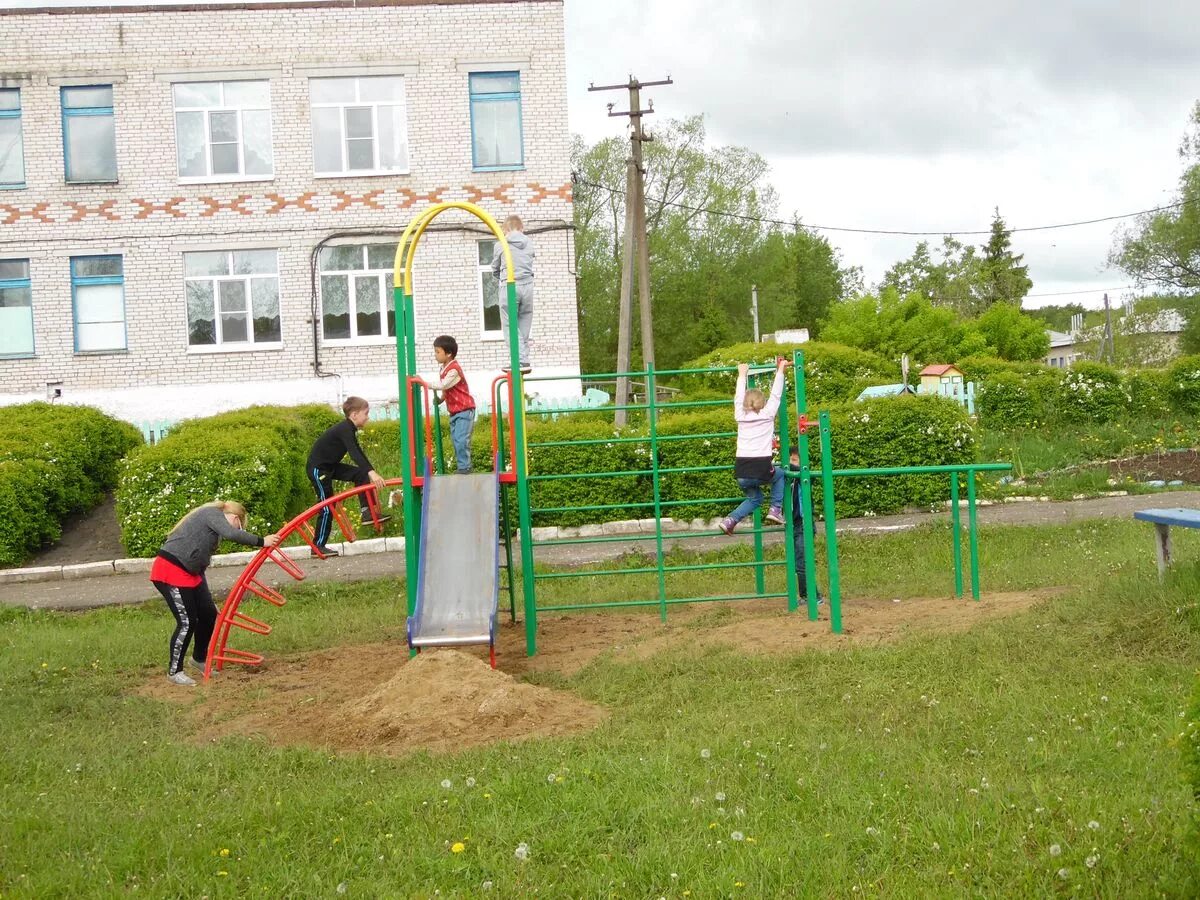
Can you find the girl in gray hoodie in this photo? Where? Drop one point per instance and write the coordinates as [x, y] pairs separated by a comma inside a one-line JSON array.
[[178, 573]]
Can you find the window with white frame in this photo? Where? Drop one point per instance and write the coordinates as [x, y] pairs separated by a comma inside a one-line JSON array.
[[16, 309], [359, 125], [496, 140], [223, 130], [232, 298], [89, 134], [356, 292], [489, 293], [98, 299], [12, 150]]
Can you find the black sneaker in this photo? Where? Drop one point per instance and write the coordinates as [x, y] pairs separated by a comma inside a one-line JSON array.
[[322, 551], [368, 519]]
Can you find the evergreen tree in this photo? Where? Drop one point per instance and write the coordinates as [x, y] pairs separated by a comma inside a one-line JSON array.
[[1003, 278]]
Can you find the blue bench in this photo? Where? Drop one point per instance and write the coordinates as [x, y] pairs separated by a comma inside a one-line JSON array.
[[1163, 519]]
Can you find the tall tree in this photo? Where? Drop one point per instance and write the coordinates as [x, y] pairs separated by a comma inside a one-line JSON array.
[[1163, 248], [1002, 277]]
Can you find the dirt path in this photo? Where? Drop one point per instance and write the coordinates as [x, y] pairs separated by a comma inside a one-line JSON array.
[[86, 538]]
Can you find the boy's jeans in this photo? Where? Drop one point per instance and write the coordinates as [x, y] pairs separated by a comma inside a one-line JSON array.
[[461, 425], [754, 495]]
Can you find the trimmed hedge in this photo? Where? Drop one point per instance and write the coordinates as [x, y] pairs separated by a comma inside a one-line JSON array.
[[833, 373], [253, 455], [55, 461], [1183, 384]]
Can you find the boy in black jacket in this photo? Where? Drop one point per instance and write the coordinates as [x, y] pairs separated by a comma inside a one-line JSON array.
[[325, 466]]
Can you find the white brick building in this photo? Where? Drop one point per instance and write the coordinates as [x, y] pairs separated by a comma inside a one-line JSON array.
[[167, 175]]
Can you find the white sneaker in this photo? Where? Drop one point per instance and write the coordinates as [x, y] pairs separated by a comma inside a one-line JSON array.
[[191, 663], [183, 678]]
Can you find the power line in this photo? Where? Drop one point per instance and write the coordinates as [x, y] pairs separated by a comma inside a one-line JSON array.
[[1123, 287], [885, 231]]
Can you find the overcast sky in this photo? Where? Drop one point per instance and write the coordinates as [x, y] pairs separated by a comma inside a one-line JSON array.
[[922, 114], [919, 115]]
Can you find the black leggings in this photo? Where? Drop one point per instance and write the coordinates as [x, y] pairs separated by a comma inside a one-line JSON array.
[[195, 615], [322, 482]]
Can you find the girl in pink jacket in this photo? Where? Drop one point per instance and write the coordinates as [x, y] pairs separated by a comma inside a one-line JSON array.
[[752, 466]]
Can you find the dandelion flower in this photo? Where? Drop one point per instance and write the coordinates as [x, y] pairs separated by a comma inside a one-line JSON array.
[[1094, 825], [470, 782], [720, 797], [522, 851], [447, 783], [1064, 873], [872, 830], [1091, 861], [1055, 850], [487, 886], [705, 753], [551, 778], [737, 836], [458, 847], [224, 852]]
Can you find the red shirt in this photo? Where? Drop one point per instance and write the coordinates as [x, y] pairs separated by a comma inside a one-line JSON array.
[[458, 398], [168, 573]]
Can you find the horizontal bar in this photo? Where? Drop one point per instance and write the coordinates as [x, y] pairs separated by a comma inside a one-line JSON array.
[[597, 474], [591, 442], [623, 604], [599, 376], [922, 470], [654, 569], [688, 403], [640, 505], [688, 437]]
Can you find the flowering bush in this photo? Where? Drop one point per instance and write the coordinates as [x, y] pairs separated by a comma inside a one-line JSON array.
[[254, 455], [1091, 392], [54, 461], [1184, 384]]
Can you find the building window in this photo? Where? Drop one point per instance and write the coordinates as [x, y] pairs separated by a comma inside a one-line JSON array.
[[356, 292], [496, 141], [89, 133], [223, 130], [16, 309], [232, 298], [359, 125], [98, 294], [12, 150], [489, 293]]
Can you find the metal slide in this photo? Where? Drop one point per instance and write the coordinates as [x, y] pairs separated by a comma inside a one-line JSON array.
[[458, 582]]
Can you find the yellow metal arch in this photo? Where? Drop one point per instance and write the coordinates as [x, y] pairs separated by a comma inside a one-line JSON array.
[[406, 250]]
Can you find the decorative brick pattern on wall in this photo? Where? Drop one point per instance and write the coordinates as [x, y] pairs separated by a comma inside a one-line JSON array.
[[150, 218]]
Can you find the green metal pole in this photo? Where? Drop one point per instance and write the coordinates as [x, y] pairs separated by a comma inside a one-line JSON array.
[[652, 398], [973, 535], [524, 517], [809, 526], [831, 550], [412, 505], [789, 527], [760, 578], [956, 535]]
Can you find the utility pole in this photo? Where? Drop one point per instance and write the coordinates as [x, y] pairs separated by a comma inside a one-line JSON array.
[[754, 309], [1109, 349], [636, 248]]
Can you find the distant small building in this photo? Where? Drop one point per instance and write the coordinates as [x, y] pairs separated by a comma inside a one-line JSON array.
[[1062, 349], [788, 336], [886, 390], [934, 377]]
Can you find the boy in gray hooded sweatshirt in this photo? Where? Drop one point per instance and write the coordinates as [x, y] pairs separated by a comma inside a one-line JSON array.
[[523, 255]]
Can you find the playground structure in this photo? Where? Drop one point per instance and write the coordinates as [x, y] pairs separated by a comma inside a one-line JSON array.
[[456, 525]]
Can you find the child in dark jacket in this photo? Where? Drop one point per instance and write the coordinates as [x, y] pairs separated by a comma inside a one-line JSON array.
[[325, 466], [178, 573], [798, 528]]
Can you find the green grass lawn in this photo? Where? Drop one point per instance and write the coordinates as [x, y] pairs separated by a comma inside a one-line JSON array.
[[1030, 756]]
